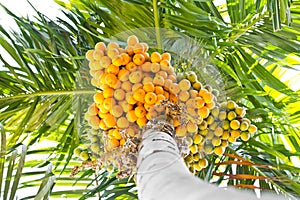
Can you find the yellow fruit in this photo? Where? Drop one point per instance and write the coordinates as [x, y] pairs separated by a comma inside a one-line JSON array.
[[231, 105], [218, 131], [84, 155], [116, 133], [203, 163], [119, 94], [166, 56], [149, 87], [231, 115], [210, 105], [245, 136], [198, 139], [172, 77], [136, 77], [240, 111], [113, 69], [196, 157], [132, 40], [136, 86], [112, 45], [108, 92], [165, 65], [155, 57], [110, 121], [199, 102], [150, 98], [197, 167], [147, 106], [146, 47], [108, 103], [123, 75], [208, 148], [77, 151], [167, 83], [222, 115], [184, 85], [126, 59], [94, 122], [247, 121], [117, 111], [117, 60], [203, 125], [192, 127], [224, 143], [131, 66], [231, 139], [193, 93], [216, 141], [138, 48], [122, 142], [131, 117], [203, 132], [192, 77], [141, 121], [181, 131], [114, 142], [213, 126], [194, 149], [97, 54], [113, 52], [184, 96], [235, 133], [98, 98], [244, 126], [225, 124], [129, 50], [139, 95], [122, 122], [219, 150], [174, 88], [235, 124], [139, 59], [203, 112], [215, 112], [197, 85], [210, 119], [100, 45], [252, 128], [208, 97], [105, 61], [159, 80], [225, 135], [89, 55], [140, 111], [102, 125]]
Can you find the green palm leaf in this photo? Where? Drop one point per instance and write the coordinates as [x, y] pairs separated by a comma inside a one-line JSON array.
[[45, 88]]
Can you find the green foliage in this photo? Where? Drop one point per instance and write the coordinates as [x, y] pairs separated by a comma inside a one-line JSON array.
[[45, 89]]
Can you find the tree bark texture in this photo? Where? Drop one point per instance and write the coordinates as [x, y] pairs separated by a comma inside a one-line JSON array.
[[162, 174]]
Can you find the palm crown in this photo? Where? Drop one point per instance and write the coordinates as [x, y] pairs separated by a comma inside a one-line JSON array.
[[45, 91]]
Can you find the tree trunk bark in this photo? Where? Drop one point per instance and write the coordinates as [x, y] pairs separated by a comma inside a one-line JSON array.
[[162, 174]]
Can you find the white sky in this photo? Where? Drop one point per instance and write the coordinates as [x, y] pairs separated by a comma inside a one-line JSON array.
[[21, 7]]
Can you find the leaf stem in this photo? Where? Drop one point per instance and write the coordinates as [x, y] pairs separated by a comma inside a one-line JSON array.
[[156, 24], [47, 93]]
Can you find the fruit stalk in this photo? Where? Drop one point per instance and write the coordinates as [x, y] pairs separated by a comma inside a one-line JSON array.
[[162, 173]]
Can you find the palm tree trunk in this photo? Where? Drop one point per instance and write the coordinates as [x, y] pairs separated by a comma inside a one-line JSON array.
[[162, 174]]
